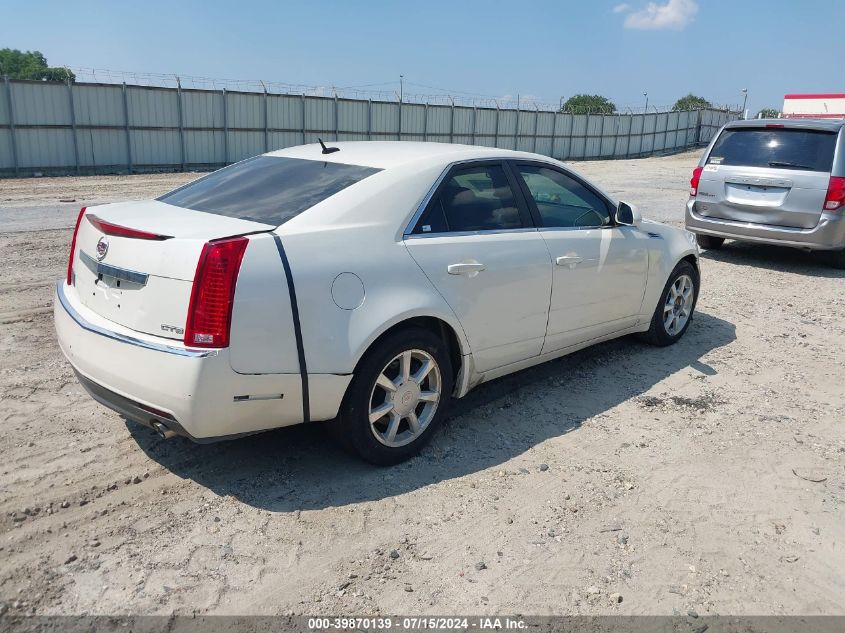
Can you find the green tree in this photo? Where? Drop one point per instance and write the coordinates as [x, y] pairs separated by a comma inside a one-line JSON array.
[[691, 102], [16, 64], [582, 104], [768, 113]]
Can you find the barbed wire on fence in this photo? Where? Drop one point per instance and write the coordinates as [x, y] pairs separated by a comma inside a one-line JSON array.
[[442, 97]]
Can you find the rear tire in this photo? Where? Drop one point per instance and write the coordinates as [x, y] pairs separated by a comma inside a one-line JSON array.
[[836, 259], [397, 398], [710, 242], [674, 311]]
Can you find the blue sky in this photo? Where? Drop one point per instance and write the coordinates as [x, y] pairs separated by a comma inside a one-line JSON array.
[[543, 50]]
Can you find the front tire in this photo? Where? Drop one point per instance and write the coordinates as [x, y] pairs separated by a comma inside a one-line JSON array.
[[397, 398], [710, 242], [676, 306]]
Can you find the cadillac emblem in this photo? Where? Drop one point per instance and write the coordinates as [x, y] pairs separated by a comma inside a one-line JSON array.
[[102, 248]]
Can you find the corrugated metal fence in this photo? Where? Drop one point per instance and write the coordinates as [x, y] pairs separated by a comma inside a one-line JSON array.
[[101, 128]]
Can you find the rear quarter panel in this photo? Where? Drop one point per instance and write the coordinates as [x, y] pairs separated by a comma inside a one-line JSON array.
[[666, 250], [360, 231]]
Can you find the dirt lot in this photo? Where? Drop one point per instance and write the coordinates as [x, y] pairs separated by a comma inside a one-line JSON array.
[[706, 477]]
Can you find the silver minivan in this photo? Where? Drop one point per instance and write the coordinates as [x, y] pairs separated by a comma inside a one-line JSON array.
[[774, 181]]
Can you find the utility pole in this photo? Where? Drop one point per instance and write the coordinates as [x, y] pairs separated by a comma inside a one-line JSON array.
[[401, 87], [744, 101], [645, 94]]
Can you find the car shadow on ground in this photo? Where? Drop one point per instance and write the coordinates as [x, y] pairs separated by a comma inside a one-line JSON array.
[[300, 468], [779, 258]]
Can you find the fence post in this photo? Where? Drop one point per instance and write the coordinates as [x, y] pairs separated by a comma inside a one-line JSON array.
[[12, 123], [496, 137], [225, 129], [303, 118], [126, 129], [425, 123], [73, 125], [181, 125], [618, 118], [630, 130], [474, 123], [399, 135], [266, 123], [586, 135], [536, 120], [369, 119], [336, 119], [698, 118], [554, 134], [516, 125], [452, 122]]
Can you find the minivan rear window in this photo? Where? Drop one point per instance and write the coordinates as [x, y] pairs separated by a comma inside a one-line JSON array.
[[267, 189], [782, 148]]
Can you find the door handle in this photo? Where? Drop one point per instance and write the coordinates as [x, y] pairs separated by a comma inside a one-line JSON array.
[[569, 260], [465, 268]]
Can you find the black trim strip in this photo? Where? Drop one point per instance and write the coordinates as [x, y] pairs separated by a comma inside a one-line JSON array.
[[123, 274], [297, 330]]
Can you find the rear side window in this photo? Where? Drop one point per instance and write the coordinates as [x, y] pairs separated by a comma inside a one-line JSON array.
[[782, 148], [473, 199], [267, 189]]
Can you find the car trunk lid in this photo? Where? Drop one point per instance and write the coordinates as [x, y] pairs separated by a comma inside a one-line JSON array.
[[134, 262]]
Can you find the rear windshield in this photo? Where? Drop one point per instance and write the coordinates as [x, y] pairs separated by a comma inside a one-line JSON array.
[[782, 148], [267, 189]]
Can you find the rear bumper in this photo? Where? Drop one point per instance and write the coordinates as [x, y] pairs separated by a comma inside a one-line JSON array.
[[194, 393], [827, 235]]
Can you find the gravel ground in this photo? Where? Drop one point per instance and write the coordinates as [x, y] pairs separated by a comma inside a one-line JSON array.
[[624, 479]]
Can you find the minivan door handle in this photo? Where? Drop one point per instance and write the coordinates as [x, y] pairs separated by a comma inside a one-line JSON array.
[[569, 260], [470, 269]]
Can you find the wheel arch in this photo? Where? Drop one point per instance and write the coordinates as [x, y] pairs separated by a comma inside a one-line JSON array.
[[451, 334]]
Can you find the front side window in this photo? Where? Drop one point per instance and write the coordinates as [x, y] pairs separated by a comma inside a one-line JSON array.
[[563, 201], [473, 199], [267, 189]]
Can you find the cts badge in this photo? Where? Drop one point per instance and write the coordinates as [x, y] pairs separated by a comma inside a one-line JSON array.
[[102, 248]]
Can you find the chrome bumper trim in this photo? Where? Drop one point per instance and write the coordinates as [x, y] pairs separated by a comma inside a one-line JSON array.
[[158, 347]]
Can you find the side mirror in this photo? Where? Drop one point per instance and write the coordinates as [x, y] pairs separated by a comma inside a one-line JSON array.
[[628, 214]]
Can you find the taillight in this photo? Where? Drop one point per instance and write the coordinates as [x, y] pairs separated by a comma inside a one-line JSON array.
[[123, 231], [693, 182], [210, 310], [835, 198], [73, 246]]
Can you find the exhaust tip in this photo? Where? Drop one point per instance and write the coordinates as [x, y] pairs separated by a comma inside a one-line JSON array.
[[163, 431]]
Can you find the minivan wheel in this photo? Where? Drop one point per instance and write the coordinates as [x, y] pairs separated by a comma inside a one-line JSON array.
[[710, 242], [676, 306], [836, 259], [397, 398]]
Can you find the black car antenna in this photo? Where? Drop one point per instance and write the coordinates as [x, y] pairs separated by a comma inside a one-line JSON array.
[[328, 150]]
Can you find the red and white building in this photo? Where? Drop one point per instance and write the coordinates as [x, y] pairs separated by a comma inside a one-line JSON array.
[[814, 106]]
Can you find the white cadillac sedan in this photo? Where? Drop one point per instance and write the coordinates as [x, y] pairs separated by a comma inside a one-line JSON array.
[[367, 284]]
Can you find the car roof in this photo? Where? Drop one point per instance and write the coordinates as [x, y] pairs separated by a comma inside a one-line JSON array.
[[387, 154], [832, 125]]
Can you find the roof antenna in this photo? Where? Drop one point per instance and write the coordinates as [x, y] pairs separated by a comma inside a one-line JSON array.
[[328, 150]]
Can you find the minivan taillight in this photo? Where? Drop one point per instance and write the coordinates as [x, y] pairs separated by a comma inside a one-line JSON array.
[[693, 182], [213, 294], [73, 246], [835, 198]]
